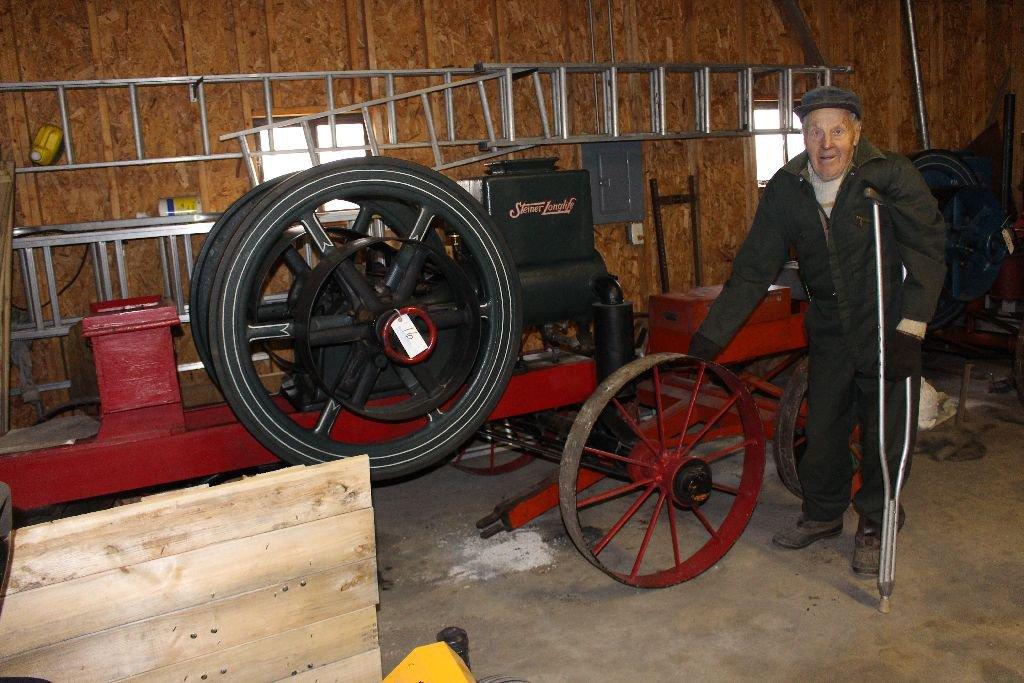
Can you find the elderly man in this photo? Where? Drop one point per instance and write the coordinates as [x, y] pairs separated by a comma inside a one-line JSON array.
[[816, 204]]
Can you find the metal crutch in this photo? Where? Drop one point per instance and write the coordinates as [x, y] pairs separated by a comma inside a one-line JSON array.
[[890, 510]]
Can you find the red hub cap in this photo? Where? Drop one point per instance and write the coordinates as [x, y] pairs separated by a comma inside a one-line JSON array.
[[400, 334]]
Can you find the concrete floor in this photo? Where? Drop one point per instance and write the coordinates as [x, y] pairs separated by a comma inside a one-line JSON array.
[[535, 609]]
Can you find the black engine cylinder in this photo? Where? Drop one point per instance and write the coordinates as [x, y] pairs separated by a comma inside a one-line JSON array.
[[613, 327]]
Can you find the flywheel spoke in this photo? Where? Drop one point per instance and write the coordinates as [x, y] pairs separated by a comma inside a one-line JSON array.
[[405, 272], [328, 415], [314, 228], [277, 330], [295, 263], [362, 222], [421, 228]]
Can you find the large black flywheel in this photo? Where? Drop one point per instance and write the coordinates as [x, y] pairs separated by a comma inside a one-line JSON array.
[[397, 325]]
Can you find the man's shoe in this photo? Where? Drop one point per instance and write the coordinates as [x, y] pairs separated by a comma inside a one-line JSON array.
[[806, 532], [867, 545]]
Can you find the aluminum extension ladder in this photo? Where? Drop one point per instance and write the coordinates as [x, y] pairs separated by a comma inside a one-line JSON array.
[[514, 107], [539, 92]]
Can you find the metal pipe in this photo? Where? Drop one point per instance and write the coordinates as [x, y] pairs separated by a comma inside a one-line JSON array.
[[204, 126], [133, 99], [329, 82], [65, 121], [268, 105], [51, 286], [611, 34], [922, 117], [449, 107], [593, 53]]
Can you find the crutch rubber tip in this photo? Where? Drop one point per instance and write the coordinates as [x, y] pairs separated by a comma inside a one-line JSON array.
[[883, 605]]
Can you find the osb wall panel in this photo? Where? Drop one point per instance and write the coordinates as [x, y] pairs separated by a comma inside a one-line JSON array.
[[967, 52]]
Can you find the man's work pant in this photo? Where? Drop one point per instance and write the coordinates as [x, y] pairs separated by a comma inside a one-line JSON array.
[[838, 398]]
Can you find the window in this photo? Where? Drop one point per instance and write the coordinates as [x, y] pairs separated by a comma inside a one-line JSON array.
[[348, 132], [772, 150]]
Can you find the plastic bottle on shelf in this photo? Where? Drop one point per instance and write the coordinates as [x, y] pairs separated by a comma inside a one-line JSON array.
[[179, 206]]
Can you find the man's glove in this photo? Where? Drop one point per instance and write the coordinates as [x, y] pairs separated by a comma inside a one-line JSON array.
[[902, 357], [703, 348]]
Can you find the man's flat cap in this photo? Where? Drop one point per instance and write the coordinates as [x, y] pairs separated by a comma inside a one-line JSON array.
[[828, 97]]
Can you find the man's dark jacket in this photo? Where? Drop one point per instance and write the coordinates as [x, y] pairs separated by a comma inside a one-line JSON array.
[[840, 272]]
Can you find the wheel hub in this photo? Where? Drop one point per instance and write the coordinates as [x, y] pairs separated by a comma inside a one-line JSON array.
[[408, 335], [692, 483]]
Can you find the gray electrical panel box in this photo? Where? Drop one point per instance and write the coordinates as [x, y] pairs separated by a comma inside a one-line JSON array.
[[616, 181]]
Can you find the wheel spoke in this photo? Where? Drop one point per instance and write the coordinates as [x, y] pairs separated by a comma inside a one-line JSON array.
[[272, 311], [422, 225], [726, 489], [325, 422], [417, 379], [612, 493], [612, 456], [329, 330], [728, 450], [362, 289], [321, 241], [349, 373], [368, 375], [711, 423], [636, 428], [692, 404], [617, 527], [294, 262], [405, 271], [447, 318], [425, 377], [284, 329], [362, 222], [705, 521], [675, 534], [659, 413], [653, 522]]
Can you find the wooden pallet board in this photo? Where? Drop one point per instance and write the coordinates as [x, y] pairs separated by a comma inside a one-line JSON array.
[[261, 578]]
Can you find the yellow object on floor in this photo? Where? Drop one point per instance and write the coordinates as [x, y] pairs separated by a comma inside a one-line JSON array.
[[434, 663]]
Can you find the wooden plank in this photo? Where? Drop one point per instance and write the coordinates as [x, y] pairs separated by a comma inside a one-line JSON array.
[[57, 612], [6, 271], [202, 630], [282, 655], [364, 666], [159, 527]]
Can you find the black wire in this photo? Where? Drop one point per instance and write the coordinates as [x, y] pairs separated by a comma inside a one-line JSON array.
[[81, 266], [70, 405]]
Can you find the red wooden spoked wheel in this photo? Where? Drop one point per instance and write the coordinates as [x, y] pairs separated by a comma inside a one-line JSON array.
[[672, 499], [789, 441]]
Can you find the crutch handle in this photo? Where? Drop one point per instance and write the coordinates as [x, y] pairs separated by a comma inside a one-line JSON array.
[[873, 194]]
